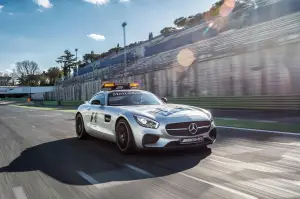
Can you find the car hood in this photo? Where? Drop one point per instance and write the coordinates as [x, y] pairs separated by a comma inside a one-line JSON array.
[[169, 112]]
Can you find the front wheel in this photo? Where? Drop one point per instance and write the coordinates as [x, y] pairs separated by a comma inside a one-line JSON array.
[[124, 137], [80, 130]]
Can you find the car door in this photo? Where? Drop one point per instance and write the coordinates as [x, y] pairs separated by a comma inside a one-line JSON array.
[[96, 114], [107, 121], [104, 116]]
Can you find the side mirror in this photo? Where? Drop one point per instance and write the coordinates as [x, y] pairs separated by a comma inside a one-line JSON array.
[[164, 99]]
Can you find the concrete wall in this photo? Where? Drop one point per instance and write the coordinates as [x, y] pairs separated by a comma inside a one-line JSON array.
[[273, 71], [258, 60]]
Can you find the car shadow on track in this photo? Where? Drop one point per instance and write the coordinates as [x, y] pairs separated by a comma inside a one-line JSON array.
[[62, 159]]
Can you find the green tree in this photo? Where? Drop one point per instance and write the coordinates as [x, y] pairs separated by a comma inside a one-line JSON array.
[[167, 30], [52, 74], [90, 57], [180, 22], [69, 62], [43, 79], [81, 64], [59, 60], [150, 37]]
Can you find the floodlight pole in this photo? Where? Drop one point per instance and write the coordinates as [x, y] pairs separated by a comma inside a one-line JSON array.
[[76, 62], [124, 35]]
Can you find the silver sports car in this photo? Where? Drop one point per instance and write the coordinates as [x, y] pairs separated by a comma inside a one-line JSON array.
[[137, 119]]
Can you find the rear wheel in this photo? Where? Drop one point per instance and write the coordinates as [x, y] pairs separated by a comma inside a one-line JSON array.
[[124, 137], [80, 130]]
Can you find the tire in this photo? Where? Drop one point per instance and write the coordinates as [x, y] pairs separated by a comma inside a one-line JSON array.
[[124, 137], [79, 126]]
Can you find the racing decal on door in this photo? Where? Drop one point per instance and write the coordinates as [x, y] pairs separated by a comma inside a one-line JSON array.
[[94, 117]]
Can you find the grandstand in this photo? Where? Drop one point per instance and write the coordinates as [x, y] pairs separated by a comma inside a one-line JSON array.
[[268, 10], [260, 28]]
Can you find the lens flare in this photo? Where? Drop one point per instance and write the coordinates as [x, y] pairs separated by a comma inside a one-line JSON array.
[[227, 8], [218, 15], [185, 57]]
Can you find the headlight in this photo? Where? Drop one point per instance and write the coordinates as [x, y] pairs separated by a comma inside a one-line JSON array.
[[146, 122]]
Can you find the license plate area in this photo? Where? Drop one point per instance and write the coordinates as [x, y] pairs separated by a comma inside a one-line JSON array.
[[191, 140]]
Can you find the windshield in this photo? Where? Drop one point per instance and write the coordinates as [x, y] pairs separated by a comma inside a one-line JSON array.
[[129, 98]]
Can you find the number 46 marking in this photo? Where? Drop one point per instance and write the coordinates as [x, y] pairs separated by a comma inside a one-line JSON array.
[[94, 117]]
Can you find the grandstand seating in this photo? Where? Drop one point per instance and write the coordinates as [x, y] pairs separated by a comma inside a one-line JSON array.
[[201, 41], [260, 32], [256, 16], [104, 63]]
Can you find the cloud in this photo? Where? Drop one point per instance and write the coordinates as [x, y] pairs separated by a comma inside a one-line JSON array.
[[1, 6], [123, 1], [11, 13], [96, 37], [44, 3], [39, 10], [97, 2]]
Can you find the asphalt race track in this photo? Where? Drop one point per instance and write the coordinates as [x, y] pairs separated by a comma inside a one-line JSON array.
[[40, 157]]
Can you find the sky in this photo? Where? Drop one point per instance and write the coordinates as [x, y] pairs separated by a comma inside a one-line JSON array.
[[40, 30]]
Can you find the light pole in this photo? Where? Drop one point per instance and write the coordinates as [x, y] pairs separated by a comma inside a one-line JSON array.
[[76, 62], [29, 88], [125, 56]]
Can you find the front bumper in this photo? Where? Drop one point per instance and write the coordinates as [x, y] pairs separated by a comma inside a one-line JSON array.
[[208, 138], [146, 138]]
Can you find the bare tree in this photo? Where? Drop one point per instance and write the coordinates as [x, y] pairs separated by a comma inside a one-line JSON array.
[[27, 72]]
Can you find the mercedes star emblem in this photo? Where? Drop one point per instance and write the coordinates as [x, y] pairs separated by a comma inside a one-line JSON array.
[[193, 128]]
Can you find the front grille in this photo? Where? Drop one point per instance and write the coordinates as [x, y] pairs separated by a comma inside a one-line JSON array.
[[176, 144], [181, 129]]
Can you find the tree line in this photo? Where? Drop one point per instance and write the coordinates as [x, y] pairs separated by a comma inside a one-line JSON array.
[[212, 13], [28, 73]]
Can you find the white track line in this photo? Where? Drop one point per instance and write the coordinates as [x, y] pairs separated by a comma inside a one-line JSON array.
[[139, 170], [88, 178], [244, 195], [259, 130], [19, 193], [101, 185]]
